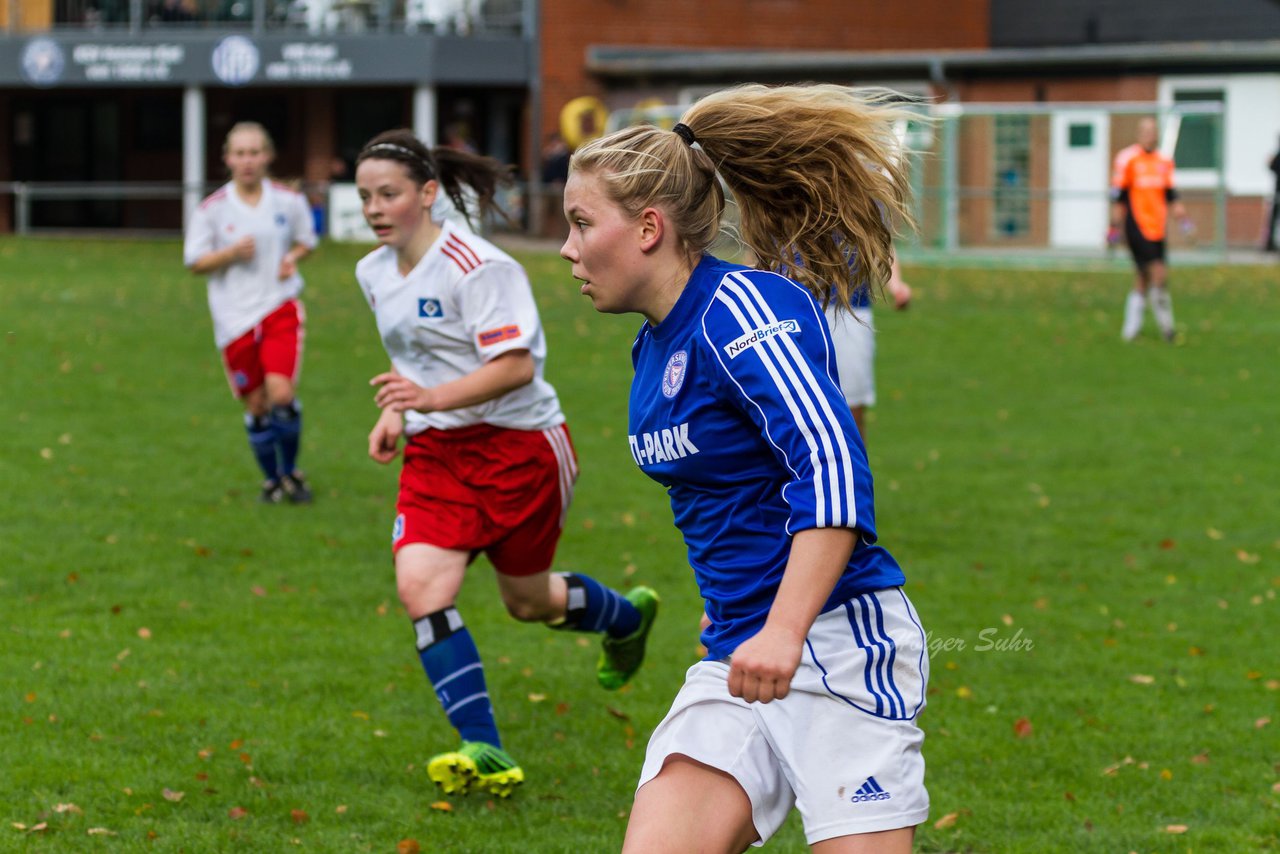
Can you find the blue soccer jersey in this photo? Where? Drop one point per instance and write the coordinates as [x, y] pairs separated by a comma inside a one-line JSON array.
[[736, 409]]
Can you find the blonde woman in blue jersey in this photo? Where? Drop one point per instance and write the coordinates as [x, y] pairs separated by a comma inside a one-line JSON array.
[[816, 668]]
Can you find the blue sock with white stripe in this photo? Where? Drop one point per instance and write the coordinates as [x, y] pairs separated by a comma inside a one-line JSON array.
[[452, 662], [286, 420], [262, 439], [592, 607]]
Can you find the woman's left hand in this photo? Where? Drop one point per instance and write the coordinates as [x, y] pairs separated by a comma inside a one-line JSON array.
[[762, 667], [400, 394]]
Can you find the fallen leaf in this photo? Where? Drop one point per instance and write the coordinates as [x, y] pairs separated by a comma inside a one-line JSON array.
[[964, 692], [144, 633], [1110, 770], [442, 806], [1069, 796], [1201, 758], [259, 590], [37, 828], [1167, 544], [71, 808], [1166, 774], [237, 813], [299, 816], [1022, 727], [620, 715], [172, 796], [1213, 533], [1252, 674], [408, 846], [537, 698], [1175, 828], [946, 821], [1142, 679], [1261, 722], [340, 809], [100, 831]]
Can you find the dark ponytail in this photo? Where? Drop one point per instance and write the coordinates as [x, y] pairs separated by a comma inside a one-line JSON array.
[[455, 170]]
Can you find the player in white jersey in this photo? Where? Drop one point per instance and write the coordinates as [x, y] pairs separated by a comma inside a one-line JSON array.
[[816, 669], [488, 462], [248, 238]]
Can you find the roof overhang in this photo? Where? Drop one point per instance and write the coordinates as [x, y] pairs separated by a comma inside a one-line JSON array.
[[623, 62]]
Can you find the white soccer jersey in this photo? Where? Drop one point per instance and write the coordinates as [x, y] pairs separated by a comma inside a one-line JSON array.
[[466, 303], [243, 293]]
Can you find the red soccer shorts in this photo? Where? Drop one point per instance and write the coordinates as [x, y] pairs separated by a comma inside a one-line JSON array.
[[274, 346], [488, 489]]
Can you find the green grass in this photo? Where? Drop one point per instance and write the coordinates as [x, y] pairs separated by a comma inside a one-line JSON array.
[[164, 633]]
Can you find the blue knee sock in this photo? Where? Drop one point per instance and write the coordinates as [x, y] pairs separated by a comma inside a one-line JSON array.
[[592, 607], [286, 420], [262, 439], [452, 662]]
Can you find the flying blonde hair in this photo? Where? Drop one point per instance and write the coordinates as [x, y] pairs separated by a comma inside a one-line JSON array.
[[816, 171]]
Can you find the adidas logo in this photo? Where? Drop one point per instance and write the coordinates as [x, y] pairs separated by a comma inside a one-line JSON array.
[[870, 791]]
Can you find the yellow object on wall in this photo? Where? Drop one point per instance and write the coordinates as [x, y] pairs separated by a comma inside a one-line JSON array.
[[31, 15], [582, 120]]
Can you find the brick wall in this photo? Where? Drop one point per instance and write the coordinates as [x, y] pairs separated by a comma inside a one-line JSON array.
[[568, 27]]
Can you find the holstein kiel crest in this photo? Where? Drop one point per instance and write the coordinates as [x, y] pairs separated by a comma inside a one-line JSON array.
[[673, 376]]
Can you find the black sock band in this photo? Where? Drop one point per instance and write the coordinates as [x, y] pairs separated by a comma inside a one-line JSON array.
[[575, 601], [286, 411], [436, 626]]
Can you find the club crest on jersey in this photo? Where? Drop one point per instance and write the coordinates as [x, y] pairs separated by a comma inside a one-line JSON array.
[[738, 346], [430, 307], [673, 376], [397, 529], [282, 220]]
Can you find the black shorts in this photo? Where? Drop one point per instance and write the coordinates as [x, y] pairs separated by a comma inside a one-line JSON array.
[[1144, 251]]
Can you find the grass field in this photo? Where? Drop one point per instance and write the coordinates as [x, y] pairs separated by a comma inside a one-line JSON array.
[[1088, 529]]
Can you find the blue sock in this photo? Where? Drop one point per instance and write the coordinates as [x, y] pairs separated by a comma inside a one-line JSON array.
[[452, 662], [262, 439], [592, 607], [286, 420]]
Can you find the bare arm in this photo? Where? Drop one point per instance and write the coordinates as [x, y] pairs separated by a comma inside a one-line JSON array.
[[494, 378], [384, 438], [289, 263], [211, 262], [763, 665]]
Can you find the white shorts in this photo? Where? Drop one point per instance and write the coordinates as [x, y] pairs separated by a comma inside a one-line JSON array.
[[854, 335], [843, 746]]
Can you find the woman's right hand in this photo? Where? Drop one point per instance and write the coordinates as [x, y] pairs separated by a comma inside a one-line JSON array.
[[384, 439], [243, 249]]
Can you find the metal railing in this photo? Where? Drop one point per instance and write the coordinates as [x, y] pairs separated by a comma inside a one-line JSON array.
[[445, 17], [108, 207]]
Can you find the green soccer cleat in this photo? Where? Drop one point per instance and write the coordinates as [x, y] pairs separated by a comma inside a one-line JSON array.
[[476, 765], [620, 658]]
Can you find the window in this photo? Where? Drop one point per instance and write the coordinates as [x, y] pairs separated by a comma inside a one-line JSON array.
[[1012, 174], [1197, 146], [1080, 136]]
